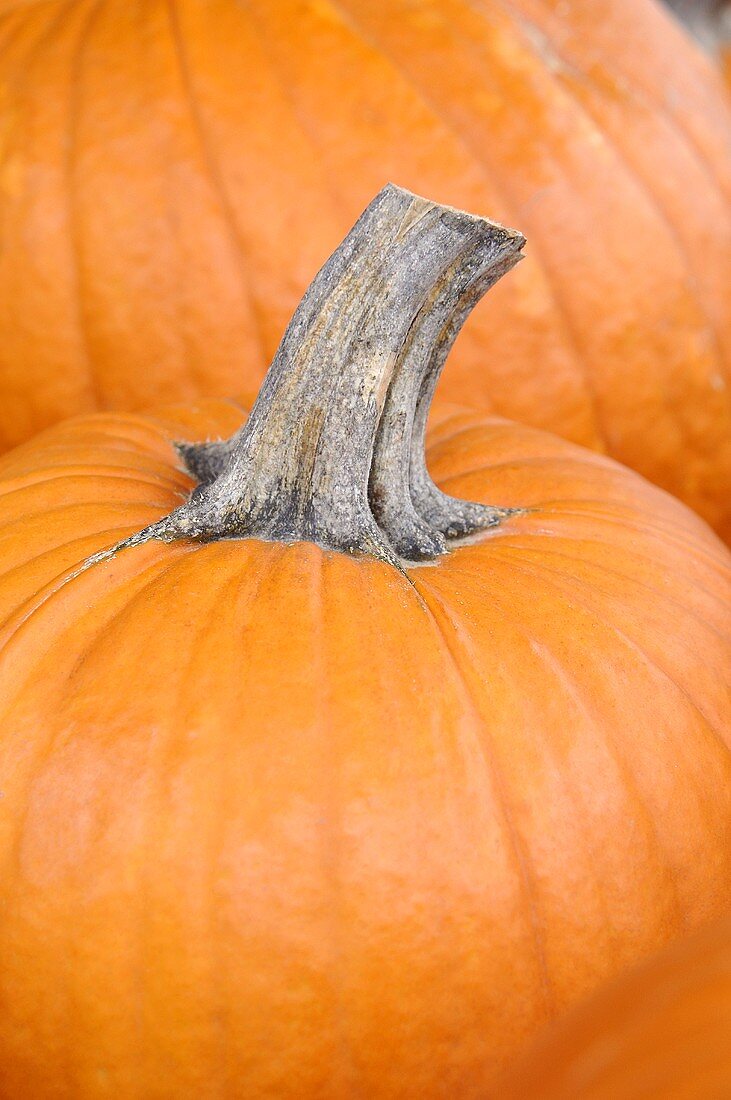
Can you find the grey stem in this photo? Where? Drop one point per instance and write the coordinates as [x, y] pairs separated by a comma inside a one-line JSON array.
[[333, 451]]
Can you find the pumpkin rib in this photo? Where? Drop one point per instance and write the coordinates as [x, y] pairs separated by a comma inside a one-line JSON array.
[[520, 855], [455, 427], [213, 173], [279, 76], [521, 544], [527, 557], [154, 466], [23, 614], [558, 672], [80, 509], [32, 50], [638, 94], [465, 433], [531, 46], [92, 537], [248, 596], [12, 27], [721, 359], [43, 756], [19, 7], [157, 801], [632, 77], [624, 767], [660, 526], [125, 474], [625, 770], [85, 31], [331, 832], [534, 460], [657, 593], [684, 541], [561, 578], [564, 585], [537, 252], [19, 823], [53, 438], [558, 575], [665, 531]]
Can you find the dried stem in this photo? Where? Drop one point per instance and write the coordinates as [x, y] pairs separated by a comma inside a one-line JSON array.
[[333, 451]]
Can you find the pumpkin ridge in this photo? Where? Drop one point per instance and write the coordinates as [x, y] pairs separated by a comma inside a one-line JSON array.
[[562, 583], [75, 245], [81, 508], [636, 94], [626, 576], [50, 551], [277, 71], [223, 592], [629, 172], [623, 764], [686, 541], [535, 460], [721, 356], [129, 474], [214, 174], [74, 1005], [676, 118], [500, 787], [18, 622], [6, 642], [13, 27], [344, 1074]]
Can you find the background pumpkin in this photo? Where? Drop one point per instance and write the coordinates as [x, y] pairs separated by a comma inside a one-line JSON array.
[[280, 820], [660, 1030], [173, 172]]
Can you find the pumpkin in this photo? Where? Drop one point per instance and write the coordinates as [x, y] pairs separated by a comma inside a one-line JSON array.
[[660, 1030], [173, 171], [320, 780]]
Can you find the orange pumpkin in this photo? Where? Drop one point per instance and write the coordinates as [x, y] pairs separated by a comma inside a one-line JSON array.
[[174, 170], [287, 820], [661, 1030]]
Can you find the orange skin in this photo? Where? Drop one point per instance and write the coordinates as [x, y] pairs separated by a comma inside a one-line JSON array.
[[660, 1031], [280, 822], [173, 173]]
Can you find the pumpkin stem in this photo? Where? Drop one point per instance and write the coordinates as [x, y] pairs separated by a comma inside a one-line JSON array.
[[333, 451]]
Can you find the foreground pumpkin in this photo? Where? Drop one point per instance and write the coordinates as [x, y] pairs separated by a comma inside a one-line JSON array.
[[173, 172], [286, 815], [661, 1030]]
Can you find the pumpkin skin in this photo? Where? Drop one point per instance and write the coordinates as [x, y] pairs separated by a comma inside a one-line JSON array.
[[661, 1030], [173, 173], [284, 822]]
